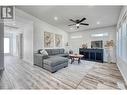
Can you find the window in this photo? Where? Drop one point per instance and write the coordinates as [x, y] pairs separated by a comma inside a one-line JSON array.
[[6, 45], [117, 43], [99, 35], [124, 48], [122, 41], [75, 37]]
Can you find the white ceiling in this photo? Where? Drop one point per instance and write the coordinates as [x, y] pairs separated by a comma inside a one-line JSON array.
[[106, 15]]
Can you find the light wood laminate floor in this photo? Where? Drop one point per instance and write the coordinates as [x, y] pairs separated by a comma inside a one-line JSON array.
[[86, 75]]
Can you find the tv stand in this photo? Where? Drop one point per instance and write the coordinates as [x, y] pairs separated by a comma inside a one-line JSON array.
[[92, 54]]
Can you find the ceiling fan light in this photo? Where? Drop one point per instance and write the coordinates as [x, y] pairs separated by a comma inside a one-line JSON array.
[[77, 25]]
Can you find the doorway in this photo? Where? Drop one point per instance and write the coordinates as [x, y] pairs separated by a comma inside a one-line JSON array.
[[7, 45], [13, 42]]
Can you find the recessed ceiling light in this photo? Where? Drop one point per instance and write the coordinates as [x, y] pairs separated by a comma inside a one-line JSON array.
[[71, 28], [91, 5], [75, 37], [98, 22], [56, 18]]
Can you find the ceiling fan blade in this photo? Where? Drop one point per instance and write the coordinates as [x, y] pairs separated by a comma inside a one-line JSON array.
[[82, 20], [84, 24], [73, 20], [71, 24]]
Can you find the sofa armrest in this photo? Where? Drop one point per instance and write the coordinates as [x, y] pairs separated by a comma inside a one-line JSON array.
[[38, 59]]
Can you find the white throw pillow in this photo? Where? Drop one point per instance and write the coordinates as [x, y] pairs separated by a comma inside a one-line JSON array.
[[41, 51], [44, 52]]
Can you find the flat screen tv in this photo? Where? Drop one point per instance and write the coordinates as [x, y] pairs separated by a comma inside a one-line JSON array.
[[97, 44]]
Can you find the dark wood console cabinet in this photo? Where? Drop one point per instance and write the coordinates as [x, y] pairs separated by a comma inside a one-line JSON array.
[[92, 54]]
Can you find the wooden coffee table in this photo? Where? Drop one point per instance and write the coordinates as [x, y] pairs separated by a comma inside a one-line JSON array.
[[75, 57]]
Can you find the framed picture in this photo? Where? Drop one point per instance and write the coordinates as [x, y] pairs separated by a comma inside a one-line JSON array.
[[48, 40], [58, 40]]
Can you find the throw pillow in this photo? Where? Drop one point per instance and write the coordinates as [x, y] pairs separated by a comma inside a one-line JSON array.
[[44, 53]]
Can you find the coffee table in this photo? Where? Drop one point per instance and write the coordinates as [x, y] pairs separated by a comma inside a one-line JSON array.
[[75, 57]]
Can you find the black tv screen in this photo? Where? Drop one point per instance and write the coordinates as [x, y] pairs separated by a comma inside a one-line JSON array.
[[97, 44]]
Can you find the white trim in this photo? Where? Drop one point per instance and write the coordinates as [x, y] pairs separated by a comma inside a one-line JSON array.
[[124, 76], [122, 15], [27, 61]]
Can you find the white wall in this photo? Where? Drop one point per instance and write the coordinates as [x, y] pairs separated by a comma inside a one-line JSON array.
[[34, 33], [39, 34], [120, 62], [75, 44], [28, 42], [14, 51]]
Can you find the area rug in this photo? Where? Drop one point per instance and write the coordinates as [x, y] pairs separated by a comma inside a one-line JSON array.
[[74, 73]]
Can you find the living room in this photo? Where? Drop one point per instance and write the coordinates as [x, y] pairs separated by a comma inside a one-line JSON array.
[[70, 48]]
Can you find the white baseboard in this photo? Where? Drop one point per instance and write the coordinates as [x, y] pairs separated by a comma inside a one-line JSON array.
[[28, 61], [121, 71]]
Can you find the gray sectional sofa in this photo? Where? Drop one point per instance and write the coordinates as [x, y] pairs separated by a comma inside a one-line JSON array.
[[55, 60]]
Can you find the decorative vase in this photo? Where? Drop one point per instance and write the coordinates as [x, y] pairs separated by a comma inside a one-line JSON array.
[[84, 45], [109, 57], [109, 45]]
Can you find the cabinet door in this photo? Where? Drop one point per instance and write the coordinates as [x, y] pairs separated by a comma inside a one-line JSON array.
[[86, 55], [92, 56], [99, 57]]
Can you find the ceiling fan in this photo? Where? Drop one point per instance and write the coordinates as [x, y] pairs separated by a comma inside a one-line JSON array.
[[78, 22]]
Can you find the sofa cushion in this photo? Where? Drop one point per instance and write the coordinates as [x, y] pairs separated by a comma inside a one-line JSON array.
[[57, 51], [63, 55], [54, 52], [61, 51], [54, 61], [49, 51]]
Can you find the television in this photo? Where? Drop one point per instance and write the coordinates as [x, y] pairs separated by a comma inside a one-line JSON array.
[[97, 44]]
